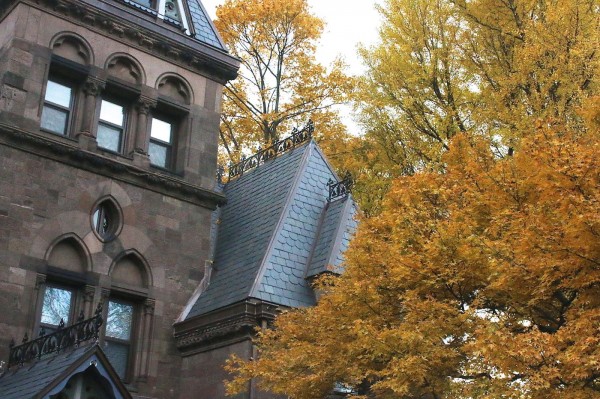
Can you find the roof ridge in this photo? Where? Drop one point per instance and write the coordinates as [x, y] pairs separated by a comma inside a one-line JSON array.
[[338, 236], [279, 147]]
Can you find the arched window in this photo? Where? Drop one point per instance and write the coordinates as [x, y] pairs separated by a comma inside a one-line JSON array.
[[128, 314], [60, 289]]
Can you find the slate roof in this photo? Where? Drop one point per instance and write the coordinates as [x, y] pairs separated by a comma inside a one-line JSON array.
[[48, 376], [269, 229], [337, 227], [204, 29]]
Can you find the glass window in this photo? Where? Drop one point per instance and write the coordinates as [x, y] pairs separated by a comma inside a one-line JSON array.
[[106, 220], [110, 126], [118, 321], [145, 3], [57, 107], [102, 221], [118, 333], [161, 139], [57, 305]]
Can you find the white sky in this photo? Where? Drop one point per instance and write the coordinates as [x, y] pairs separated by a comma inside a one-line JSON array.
[[348, 23]]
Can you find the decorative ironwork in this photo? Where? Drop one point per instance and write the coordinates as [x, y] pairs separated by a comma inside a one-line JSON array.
[[341, 188], [298, 137], [62, 338]]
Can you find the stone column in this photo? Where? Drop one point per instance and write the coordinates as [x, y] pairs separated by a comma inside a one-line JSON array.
[[144, 348], [143, 106], [92, 89], [89, 291]]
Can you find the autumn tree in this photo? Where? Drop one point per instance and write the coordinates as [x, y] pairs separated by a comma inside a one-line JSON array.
[[280, 84], [479, 282], [481, 67], [480, 276]]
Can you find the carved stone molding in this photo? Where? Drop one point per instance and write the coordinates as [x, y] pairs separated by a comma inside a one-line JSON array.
[[40, 279], [93, 87], [149, 305], [186, 52], [238, 320], [170, 185], [144, 105], [88, 293]]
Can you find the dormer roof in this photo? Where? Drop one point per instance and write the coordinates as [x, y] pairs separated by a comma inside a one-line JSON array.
[[46, 377], [188, 16]]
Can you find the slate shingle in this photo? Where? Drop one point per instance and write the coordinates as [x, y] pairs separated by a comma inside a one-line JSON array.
[[205, 30], [268, 232]]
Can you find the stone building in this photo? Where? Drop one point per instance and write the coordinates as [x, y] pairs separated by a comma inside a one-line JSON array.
[[112, 221]]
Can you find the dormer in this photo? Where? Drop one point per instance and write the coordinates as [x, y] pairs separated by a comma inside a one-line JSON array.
[[188, 16]]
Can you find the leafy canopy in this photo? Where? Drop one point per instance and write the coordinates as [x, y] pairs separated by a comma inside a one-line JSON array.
[[480, 67], [481, 282], [280, 81], [478, 275]]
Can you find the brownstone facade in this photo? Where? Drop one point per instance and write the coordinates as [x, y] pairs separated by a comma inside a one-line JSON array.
[[152, 254]]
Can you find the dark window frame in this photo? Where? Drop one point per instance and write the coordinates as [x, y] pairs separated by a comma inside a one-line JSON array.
[[131, 344], [69, 111], [124, 129], [71, 316], [71, 74], [171, 146]]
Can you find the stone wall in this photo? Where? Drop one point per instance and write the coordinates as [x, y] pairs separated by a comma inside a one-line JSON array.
[[50, 186]]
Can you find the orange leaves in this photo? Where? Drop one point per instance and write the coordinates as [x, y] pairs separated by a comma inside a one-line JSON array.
[[481, 282]]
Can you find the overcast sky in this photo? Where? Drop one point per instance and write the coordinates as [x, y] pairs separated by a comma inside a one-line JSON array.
[[348, 22]]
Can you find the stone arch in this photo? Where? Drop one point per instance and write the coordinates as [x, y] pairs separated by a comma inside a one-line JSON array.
[[176, 87], [125, 67], [72, 46], [69, 252], [130, 268]]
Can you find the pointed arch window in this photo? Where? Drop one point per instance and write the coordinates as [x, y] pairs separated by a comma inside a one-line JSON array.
[[106, 220]]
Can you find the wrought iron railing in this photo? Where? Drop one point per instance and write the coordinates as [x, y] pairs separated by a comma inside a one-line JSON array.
[[61, 339], [297, 137], [341, 188]]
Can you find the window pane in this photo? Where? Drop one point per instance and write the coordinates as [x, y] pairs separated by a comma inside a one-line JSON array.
[[112, 113], [118, 323], [145, 3], [118, 355], [58, 94], [57, 305], [109, 138], [101, 221], [161, 130], [54, 120], [158, 154]]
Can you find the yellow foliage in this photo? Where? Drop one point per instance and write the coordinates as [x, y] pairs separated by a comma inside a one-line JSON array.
[[479, 282], [280, 82], [485, 68]]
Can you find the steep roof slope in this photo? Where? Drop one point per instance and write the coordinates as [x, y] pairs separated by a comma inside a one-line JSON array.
[[337, 227], [269, 230], [50, 374], [204, 29]]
